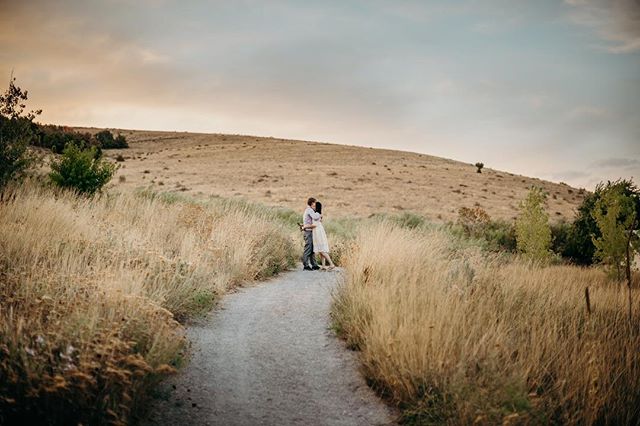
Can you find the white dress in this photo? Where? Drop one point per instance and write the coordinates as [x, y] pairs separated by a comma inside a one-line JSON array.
[[320, 242]]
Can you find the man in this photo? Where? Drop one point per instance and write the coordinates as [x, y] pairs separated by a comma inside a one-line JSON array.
[[308, 258]]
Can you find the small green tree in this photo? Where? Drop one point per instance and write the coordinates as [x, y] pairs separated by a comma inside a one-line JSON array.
[[107, 141], [82, 170], [15, 133], [615, 215], [533, 233]]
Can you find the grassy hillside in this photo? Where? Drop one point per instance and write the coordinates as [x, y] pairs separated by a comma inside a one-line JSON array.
[[350, 180], [454, 335], [91, 292]]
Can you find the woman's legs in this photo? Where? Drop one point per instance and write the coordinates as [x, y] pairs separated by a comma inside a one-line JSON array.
[[328, 258]]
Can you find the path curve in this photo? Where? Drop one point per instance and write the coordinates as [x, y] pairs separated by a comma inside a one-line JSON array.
[[266, 356]]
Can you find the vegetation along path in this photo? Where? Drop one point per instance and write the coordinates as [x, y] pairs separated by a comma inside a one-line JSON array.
[[267, 356]]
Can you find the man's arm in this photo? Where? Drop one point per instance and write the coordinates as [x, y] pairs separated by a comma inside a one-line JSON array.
[[314, 215]]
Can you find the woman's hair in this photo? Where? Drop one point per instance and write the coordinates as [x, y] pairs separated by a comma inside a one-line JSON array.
[[318, 207]]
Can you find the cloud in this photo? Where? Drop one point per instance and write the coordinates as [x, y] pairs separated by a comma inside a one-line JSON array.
[[616, 21], [570, 175], [587, 112], [618, 163]]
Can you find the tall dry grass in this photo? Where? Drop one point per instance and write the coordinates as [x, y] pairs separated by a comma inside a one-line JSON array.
[[455, 337], [91, 291]]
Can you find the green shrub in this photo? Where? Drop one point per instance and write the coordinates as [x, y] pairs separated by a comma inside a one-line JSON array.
[[56, 138], [409, 220], [500, 236], [15, 133], [14, 156], [107, 141], [561, 235], [579, 247], [82, 170], [533, 234]]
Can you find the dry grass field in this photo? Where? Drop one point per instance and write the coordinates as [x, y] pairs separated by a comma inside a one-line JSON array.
[[352, 181], [90, 291], [457, 336]]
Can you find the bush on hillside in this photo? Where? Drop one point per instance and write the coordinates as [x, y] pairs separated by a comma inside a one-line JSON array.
[[107, 141], [500, 235], [409, 220], [15, 133], [82, 170], [495, 235], [473, 220], [56, 138]]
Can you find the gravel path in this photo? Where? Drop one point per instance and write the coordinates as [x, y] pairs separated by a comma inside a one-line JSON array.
[[268, 357]]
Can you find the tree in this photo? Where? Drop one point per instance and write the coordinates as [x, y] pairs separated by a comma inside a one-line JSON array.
[[107, 141], [82, 170], [616, 217], [533, 234], [579, 247], [479, 166], [15, 133]]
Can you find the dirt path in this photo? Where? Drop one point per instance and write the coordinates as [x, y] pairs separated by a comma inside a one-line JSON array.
[[267, 356]]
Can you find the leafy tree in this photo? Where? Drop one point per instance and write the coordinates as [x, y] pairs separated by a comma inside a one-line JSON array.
[[56, 138], [479, 166], [82, 170], [533, 234], [15, 133], [107, 141], [579, 246], [615, 214]]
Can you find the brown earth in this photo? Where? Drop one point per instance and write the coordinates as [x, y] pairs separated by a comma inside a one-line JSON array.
[[350, 180]]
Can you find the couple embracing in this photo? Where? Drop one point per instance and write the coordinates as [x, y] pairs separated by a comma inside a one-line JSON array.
[[315, 238]]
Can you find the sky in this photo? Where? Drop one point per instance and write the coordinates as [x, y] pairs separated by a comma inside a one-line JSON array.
[[549, 89]]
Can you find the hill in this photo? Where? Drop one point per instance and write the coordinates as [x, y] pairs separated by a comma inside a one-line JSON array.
[[350, 180]]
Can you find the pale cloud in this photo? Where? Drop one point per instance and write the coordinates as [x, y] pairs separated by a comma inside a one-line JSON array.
[[445, 86], [587, 112], [618, 163], [616, 21], [537, 101]]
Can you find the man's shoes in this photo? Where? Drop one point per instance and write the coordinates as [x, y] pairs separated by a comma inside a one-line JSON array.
[[306, 268], [315, 268]]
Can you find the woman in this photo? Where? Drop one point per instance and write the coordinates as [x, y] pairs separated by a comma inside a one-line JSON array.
[[320, 242]]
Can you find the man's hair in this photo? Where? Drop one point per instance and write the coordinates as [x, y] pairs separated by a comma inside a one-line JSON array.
[[310, 201]]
